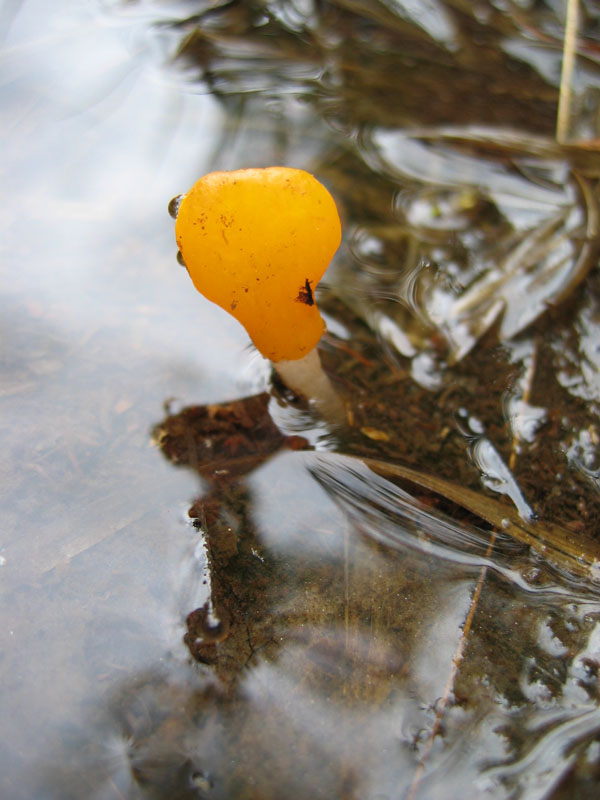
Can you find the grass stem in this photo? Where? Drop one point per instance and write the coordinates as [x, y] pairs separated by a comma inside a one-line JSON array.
[[563, 118]]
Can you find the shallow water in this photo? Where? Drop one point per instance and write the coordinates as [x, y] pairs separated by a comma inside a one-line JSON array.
[[408, 608]]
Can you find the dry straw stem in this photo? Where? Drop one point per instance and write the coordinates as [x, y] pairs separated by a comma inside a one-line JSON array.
[[566, 78]]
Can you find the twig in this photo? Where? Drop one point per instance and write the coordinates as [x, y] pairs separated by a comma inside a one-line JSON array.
[[462, 644]]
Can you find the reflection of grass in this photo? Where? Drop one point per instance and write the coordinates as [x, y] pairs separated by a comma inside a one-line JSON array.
[[367, 75]]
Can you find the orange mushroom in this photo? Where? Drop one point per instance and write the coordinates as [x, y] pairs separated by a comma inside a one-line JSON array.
[[257, 242]]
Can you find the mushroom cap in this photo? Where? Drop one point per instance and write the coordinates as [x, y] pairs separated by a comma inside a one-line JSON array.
[[256, 242]]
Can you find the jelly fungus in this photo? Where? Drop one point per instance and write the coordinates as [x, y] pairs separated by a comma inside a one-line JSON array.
[[257, 242]]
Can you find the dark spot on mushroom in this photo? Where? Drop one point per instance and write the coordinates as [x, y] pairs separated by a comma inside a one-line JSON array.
[[305, 294]]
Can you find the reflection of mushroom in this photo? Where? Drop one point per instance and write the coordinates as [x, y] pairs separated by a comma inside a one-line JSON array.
[[224, 443], [256, 242]]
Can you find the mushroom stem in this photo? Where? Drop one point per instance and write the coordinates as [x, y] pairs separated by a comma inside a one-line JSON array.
[[306, 377]]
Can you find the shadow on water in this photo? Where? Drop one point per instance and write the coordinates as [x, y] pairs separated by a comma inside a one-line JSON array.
[[252, 605]]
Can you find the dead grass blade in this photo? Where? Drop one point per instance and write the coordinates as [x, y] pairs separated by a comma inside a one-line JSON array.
[[555, 543]]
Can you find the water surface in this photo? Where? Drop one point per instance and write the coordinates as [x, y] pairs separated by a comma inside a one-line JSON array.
[[317, 625]]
